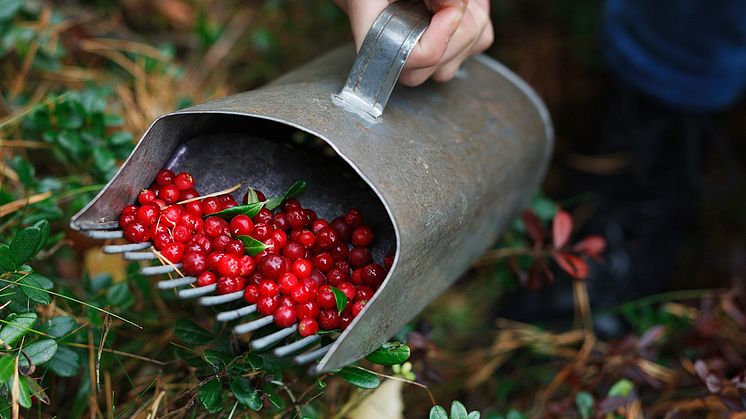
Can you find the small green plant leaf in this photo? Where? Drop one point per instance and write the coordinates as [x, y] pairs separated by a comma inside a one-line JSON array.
[[18, 324], [391, 353], [474, 415], [359, 377], [189, 332], [37, 391], [211, 395], [295, 189], [251, 196], [249, 209], [584, 401], [458, 410], [245, 393], [59, 326], [622, 388], [24, 393], [252, 246], [7, 364], [341, 299], [6, 260], [33, 288], [119, 295], [24, 244], [438, 412], [65, 362], [39, 352], [514, 414], [43, 226]]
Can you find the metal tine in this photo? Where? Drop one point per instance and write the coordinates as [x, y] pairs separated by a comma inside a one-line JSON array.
[[226, 316], [159, 270], [129, 247], [313, 355], [139, 256], [175, 283], [105, 234], [296, 346], [269, 340], [253, 325], [197, 292], [221, 299]]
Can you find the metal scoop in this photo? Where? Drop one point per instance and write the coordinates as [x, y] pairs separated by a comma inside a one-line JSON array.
[[437, 175]]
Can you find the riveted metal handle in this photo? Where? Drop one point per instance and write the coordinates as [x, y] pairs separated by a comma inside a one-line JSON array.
[[379, 62]]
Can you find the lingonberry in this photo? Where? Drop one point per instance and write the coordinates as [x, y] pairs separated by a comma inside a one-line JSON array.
[[373, 275], [182, 233], [235, 247], [264, 216], [293, 250], [302, 292], [259, 196], [161, 204], [286, 301], [216, 226], [345, 318], [362, 236], [262, 254], [251, 294], [206, 278], [228, 265], [200, 242], [291, 203], [161, 239], [246, 265], [229, 284], [343, 265], [348, 289], [388, 261], [329, 319], [241, 225], [271, 246], [280, 238], [317, 277], [268, 288], [267, 305], [196, 225], [325, 297], [318, 224], [357, 277], [323, 262], [287, 282], [130, 209], [173, 213], [169, 194], [256, 278], [354, 217], [126, 219], [359, 257], [159, 228], [307, 327], [272, 266], [147, 214], [194, 263], [342, 228], [194, 208], [211, 205], [261, 232], [302, 268], [358, 306], [363, 293], [310, 217], [188, 194], [341, 252], [296, 218], [337, 276], [174, 252], [284, 316], [164, 177], [227, 200], [306, 238], [219, 243], [184, 181], [145, 196], [327, 238], [309, 309], [294, 234], [136, 232]]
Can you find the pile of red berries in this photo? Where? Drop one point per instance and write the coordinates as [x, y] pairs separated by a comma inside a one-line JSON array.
[[305, 269]]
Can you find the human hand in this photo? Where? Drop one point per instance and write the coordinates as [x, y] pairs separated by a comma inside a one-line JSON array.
[[458, 30]]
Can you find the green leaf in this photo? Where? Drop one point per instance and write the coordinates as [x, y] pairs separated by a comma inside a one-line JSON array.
[[59, 326], [248, 209], [359, 377], [584, 401], [119, 294], [6, 260], [622, 388], [33, 288], [189, 332], [42, 225], [103, 159], [473, 415], [18, 325], [7, 365], [458, 411], [438, 412], [391, 353], [9, 8], [245, 393], [36, 390], [24, 394], [294, 190], [251, 245], [65, 362], [24, 244], [40, 352], [211, 395], [514, 414], [251, 196], [4, 408], [341, 299]]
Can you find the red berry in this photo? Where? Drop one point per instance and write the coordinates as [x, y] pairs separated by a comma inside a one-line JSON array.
[[310, 217], [159, 228], [293, 250], [145, 196], [174, 252], [342, 228], [373, 275], [309, 309], [329, 319], [348, 289], [296, 218], [307, 327], [200, 242], [264, 216], [241, 225], [337, 276], [161, 239], [388, 261], [325, 297], [229, 284], [364, 293], [235, 247], [219, 243], [169, 194], [343, 265], [187, 194], [267, 305], [260, 196], [280, 239], [194, 208], [271, 246], [262, 231], [317, 277], [126, 219], [357, 277], [161, 204], [184, 181], [318, 224], [291, 203], [287, 282], [323, 262], [286, 301], [195, 224], [227, 200], [130, 209], [148, 214], [268, 288], [216, 226], [246, 265], [228, 265], [327, 238], [284, 316], [358, 306], [206, 278], [359, 257], [136, 232], [306, 238], [173, 214], [211, 205], [281, 222], [251, 294], [182, 233], [341, 252], [354, 217], [194, 263], [362, 236], [302, 268], [345, 318], [164, 177], [272, 266], [255, 278], [302, 293]]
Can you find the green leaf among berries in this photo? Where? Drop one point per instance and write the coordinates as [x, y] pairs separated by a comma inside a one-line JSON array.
[[341, 299], [359, 377], [391, 353], [252, 246], [249, 209], [245, 393], [211, 395], [295, 189]]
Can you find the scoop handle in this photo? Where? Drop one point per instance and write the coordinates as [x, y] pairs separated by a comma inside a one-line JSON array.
[[385, 49]]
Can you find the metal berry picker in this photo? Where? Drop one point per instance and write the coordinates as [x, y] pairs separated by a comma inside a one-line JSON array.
[[438, 170]]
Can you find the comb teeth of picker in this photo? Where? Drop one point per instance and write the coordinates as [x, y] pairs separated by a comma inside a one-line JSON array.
[[207, 296]]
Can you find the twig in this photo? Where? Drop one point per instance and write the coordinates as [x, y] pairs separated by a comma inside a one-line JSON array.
[[210, 195]]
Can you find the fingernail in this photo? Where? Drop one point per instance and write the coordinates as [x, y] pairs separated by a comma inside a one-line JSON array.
[[455, 23]]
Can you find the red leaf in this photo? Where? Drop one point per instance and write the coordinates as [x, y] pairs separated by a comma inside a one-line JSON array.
[[561, 228], [533, 226], [592, 246], [573, 265]]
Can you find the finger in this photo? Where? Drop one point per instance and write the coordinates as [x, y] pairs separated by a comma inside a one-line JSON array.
[[434, 42], [362, 14]]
